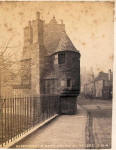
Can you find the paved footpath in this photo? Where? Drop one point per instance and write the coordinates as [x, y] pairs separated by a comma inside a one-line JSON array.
[[66, 131]]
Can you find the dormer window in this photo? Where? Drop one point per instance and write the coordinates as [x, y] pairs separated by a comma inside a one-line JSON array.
[[61, 58]]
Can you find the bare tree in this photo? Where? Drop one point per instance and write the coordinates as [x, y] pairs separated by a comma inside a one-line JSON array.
[[6, 62]]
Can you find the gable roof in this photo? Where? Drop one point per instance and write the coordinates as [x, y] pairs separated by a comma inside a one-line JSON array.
[[51, 40]]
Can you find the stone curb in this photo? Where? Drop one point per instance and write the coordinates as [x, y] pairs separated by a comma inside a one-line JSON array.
[[16, 140]]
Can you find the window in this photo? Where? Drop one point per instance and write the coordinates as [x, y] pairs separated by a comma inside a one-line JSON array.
[[68, 82], [61, 58], [62, 83]]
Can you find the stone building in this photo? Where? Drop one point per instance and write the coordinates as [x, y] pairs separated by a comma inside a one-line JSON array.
[[42, 42], [101, 87]]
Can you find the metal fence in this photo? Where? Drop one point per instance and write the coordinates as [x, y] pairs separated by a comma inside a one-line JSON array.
[[20, 114]]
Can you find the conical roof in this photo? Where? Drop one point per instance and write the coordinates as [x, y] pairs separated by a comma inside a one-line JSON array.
[[65, 44]]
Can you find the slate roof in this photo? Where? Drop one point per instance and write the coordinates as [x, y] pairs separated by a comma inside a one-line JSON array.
[[65, 44]]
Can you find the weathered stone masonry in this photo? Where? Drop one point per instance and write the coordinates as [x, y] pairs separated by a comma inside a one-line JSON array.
[[41, 42]]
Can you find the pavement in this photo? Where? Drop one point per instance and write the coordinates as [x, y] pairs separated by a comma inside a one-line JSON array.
[[66, 131], [89, 128]]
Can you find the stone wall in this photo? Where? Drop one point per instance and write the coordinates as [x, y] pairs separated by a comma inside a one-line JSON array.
[[60, 73]]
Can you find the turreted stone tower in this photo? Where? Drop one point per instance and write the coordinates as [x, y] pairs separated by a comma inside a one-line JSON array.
[[34, 52], [40, 41]]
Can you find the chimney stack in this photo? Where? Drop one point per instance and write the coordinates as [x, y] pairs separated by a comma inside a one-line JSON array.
[[29, 23], [38, 15]]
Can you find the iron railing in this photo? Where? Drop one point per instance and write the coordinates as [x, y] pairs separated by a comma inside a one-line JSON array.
[[20, 114]]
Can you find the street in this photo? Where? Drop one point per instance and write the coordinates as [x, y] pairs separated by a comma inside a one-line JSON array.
[[89, 128], [99, 122]]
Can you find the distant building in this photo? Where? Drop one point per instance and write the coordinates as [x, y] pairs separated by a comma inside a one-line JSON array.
[[101, 87]]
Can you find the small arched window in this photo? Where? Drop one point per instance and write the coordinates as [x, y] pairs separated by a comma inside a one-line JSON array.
[[61, 58]]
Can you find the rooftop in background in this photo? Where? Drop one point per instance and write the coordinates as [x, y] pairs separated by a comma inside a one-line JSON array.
[[102, 76], [105, 76]]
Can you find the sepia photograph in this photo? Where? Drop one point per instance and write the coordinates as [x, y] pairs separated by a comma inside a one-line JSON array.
[[56, 74]]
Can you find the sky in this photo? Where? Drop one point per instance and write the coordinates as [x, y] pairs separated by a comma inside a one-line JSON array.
[[88, 24]]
